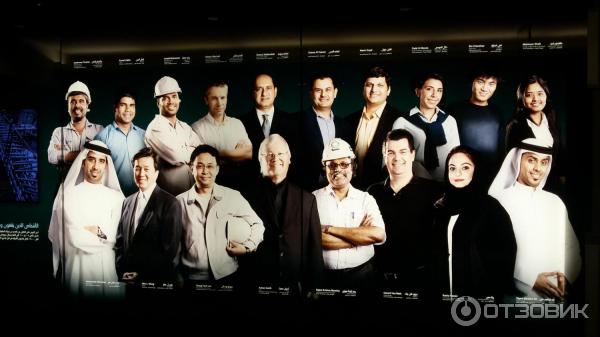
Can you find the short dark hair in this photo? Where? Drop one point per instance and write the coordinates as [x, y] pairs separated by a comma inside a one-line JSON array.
[[215, 83], [262, 73], [398, 134], [146, 152], [321, 76], [204, 148], [378, 72], [486, 72], [120, 95], [420, 79]]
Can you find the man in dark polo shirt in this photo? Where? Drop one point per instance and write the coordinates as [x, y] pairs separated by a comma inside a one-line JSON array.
[[406, 204]]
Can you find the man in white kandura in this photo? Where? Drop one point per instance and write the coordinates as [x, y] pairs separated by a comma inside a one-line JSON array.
[[84, 222]]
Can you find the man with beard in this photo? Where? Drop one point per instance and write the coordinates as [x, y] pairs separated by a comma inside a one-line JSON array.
[[548, 259], [68, 141], [84, 222]]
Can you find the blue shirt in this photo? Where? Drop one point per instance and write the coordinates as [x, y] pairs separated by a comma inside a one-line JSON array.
[[123, 147]]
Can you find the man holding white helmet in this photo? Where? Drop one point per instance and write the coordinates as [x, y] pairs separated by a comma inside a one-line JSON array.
[[67, 141], [351, 223], [172, 139], [214, 219]]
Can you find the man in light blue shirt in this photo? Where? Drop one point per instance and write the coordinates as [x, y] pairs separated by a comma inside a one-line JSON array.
[[124, 139]]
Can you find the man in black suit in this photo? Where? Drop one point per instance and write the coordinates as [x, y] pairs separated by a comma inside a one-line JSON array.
[[150, 228], [318, 126], [290, 258], [371, 124], [265, 120]]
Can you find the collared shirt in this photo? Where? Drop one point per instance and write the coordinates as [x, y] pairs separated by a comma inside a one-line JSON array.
[[222, 136], [545, 238], [71, 140], [173, 143], [365, 132], [140, 204], [326, 125], [349, 213], [541, 131], [123, 147], [205, 231], [450, 131]]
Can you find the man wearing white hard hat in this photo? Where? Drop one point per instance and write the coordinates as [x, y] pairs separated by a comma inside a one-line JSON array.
[[84, 222], [351, 223], [219, 225], [548, 257], [173, 139], [67, 141]]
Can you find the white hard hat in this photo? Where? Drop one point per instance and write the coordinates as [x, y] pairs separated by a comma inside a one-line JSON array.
[[166, 85], [238, 229], [79, 87], [337, 148]]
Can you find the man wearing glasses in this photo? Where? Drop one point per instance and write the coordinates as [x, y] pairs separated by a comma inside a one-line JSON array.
[[290, 260], [351, 224]]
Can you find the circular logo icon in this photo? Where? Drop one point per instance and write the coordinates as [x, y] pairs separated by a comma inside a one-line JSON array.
[[465, 311]]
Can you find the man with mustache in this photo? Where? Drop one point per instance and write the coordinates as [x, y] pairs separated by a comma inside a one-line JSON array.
[[548, 259], [67, 141], [351, 224]]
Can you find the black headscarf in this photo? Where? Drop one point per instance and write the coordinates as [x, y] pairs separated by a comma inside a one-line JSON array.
[[456, 200]]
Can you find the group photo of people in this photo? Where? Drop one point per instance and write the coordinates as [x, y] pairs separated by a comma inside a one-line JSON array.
[[426, 197]]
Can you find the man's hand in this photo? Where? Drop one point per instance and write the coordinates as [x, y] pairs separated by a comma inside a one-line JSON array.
[[130, 276], [551, 284], [367, 221], [242, 144], [235, 249]]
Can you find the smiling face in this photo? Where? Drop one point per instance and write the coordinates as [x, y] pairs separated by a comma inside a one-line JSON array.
[[216, 100], [94, 165], [125, 110], [205, 170], [339, 172], [376, 90], [398, 157], [533, 168], [169, 104], [460, 170], [276, 160], [77, 107], [323, 94], [534, 98], [430, 94], [264, 92], [482, 90], [144, 172]]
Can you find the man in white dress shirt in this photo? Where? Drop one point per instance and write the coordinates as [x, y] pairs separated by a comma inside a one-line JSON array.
[[351, 224], [84, 224], [548, 257], [173, 139], [226, 134]]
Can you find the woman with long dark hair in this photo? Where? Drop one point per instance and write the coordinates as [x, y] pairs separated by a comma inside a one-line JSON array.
[[535, 118]]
